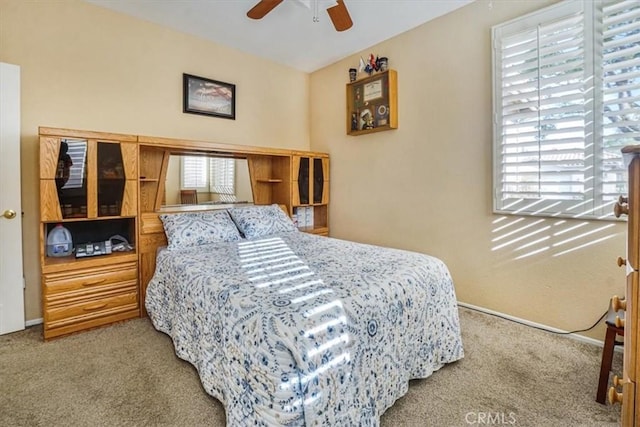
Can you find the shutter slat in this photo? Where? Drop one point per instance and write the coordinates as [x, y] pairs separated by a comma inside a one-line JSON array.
[[622, 100], [612, 81]]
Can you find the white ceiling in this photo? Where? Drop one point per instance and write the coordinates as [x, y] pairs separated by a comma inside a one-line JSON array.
[[287, 34]]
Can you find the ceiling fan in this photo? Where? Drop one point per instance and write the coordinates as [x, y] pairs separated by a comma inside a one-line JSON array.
[[338, 13]]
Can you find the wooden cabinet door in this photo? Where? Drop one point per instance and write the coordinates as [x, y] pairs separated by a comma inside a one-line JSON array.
[[301, 187], [85, 199], [50, 209], [320, 182], [631, 369], [310, 181], [63, 183]]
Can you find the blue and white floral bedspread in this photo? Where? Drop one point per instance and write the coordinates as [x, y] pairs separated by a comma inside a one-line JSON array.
[[295, 329]]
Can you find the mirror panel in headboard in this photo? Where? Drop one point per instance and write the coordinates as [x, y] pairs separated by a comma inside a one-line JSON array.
[[216, 180]]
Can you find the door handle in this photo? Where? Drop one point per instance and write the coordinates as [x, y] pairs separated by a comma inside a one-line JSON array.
[[9, 214]]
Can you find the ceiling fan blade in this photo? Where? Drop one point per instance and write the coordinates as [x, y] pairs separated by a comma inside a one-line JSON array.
[[340, 16], [262, 8]]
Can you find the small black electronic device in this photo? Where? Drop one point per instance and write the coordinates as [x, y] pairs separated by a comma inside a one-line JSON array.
[[93, 249], [115, 243]]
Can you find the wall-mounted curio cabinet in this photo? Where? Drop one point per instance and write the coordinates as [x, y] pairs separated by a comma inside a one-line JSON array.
[[310, 193], [372, 104], [88, 183]]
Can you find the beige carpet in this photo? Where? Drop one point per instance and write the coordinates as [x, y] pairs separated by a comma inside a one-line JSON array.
[[128, 375]]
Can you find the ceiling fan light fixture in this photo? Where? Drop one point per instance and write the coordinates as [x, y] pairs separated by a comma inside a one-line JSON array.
[[338, 12]]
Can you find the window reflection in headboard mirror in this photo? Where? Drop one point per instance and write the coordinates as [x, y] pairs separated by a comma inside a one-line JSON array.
[[71, 177], [215, 179]]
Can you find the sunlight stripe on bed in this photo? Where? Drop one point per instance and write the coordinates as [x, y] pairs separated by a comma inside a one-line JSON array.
[[311, 295], [284, 280]]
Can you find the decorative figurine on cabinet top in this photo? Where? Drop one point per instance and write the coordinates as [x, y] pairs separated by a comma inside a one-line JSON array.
[[374, 63], [353, 74]]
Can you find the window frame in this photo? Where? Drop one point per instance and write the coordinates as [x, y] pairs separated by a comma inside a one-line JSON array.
[[593, 204]]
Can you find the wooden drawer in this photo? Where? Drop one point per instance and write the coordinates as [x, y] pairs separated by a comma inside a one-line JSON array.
[[89, 280], [89, 309], [629, 416], [631, 330], [96, 292]]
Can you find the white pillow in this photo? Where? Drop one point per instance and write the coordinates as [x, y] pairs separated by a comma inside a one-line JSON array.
[[189, 229], [257, 221]]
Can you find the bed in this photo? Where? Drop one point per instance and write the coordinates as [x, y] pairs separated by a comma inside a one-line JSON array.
[[288, 328]]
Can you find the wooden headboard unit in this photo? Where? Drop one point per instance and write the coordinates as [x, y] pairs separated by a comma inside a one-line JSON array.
[[272, 179]]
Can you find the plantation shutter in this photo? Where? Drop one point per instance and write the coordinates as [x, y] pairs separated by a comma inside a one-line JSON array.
[[222, 173], [194, 172], [620, 91], [542, 111]]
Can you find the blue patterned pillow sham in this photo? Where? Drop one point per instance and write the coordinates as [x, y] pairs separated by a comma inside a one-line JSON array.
[[258, 221], [189, 229]]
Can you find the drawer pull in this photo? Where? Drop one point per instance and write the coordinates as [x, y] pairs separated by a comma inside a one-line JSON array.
[[95, 307], [619, 210], [618, 382], [618, 304], [95, 282], [614, 396]]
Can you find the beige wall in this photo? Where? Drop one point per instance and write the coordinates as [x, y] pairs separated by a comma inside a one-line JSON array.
[[86, 67], [427, 186]]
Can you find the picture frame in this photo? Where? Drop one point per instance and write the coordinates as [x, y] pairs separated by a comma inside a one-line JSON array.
[[372, 104], [208, 97]]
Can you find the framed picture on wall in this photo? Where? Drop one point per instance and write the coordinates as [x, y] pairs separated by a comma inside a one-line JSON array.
[[208, 97]]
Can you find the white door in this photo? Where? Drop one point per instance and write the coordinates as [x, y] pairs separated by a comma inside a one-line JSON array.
[[11, 275]]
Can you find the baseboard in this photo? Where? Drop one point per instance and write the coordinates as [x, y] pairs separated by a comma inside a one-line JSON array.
[[526, 322], [537, 325], [32, 322]]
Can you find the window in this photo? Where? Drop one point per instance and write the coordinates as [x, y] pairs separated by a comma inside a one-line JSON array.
[[208, 174], [194, 173], [566, 100]]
